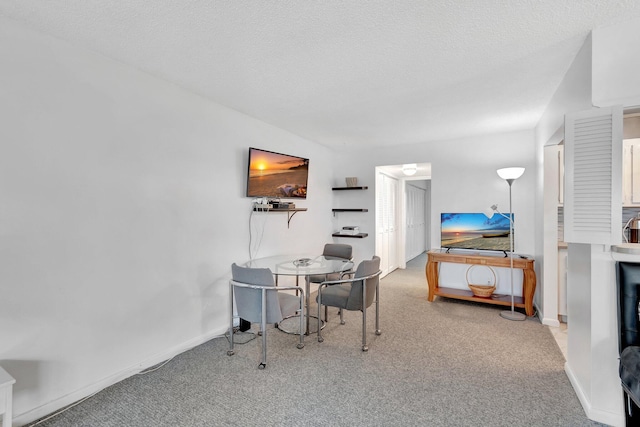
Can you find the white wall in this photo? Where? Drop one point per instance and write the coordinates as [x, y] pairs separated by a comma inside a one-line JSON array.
[[616, 52], [573, 94], [123, 207], [463, 179], [603, 73], [122, 210]]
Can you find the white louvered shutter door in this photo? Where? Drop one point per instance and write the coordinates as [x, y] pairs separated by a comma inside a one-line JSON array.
[[593, 176]]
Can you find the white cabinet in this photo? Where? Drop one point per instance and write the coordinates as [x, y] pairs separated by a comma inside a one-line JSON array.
[[631, 172]]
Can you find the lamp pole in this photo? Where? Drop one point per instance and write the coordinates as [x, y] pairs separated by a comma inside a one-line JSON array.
[[510, 175], [512, 314]]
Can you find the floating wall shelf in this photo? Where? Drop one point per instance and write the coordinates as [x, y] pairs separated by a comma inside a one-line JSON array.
[[348, 210], [350, 188], [290, 212], [351, 236], [354, 236]]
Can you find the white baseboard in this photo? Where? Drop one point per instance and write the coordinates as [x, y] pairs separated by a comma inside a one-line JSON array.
[[57, 404], [549, 321], [605, 417]]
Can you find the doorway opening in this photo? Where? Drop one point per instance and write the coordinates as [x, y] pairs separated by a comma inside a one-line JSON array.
[[403, 206]]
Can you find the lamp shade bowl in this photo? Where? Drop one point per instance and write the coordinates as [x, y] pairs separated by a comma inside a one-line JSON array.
[[510, 173]]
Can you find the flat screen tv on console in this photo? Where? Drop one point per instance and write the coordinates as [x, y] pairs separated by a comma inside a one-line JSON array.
[[276, 175], [474, 231]]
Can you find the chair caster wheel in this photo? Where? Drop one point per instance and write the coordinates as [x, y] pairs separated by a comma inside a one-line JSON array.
[[342, 322], [320, 339], [365, 348], [378, 332], [262, 366], [230, 352], [300, 346]]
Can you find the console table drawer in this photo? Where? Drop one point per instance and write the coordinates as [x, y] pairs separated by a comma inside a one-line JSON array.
[[475, 261], [459, 259]]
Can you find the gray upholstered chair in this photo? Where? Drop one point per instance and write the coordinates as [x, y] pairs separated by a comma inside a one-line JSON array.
[[333, 250], [355, 293], [258, 300]]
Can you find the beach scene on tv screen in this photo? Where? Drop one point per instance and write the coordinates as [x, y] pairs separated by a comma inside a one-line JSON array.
[[475, 231], [277, 175]]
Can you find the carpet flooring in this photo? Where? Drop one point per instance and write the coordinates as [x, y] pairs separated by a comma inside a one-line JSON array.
[[441, 363]]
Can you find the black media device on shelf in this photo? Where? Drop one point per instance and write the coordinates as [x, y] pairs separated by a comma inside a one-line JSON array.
[[282, 205]]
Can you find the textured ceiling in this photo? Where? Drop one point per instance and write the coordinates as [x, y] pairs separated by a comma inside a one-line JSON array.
[[346, 74]]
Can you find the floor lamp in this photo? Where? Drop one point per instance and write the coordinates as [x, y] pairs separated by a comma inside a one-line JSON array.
[[509, 175]]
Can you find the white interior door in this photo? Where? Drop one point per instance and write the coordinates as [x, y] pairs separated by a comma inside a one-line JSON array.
[[387, 222], [416, 224]]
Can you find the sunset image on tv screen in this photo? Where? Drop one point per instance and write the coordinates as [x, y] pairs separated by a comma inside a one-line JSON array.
[[475, 231], [276, 175]]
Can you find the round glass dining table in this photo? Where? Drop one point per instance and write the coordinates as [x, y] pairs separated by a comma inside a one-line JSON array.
[[301, 266]]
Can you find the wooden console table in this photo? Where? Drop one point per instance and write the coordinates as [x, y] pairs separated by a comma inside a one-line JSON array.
[[526, 265]]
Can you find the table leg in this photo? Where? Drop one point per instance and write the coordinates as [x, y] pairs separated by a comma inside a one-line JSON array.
[[432, 279], [307, 288], [307, 304], [528, 290]]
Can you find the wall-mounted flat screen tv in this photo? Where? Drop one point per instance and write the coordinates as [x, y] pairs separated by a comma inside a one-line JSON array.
[[276, 175], [475, 231]]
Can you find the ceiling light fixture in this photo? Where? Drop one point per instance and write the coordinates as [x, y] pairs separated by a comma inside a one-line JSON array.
[[410, 169]]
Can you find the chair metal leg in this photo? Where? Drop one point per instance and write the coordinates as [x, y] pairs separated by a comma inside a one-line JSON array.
[[302, 320], [364, 316], [342, 322], [307, 290], [378, 331], [230, 352], [263, 327], [320, 339], [365, 347]]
